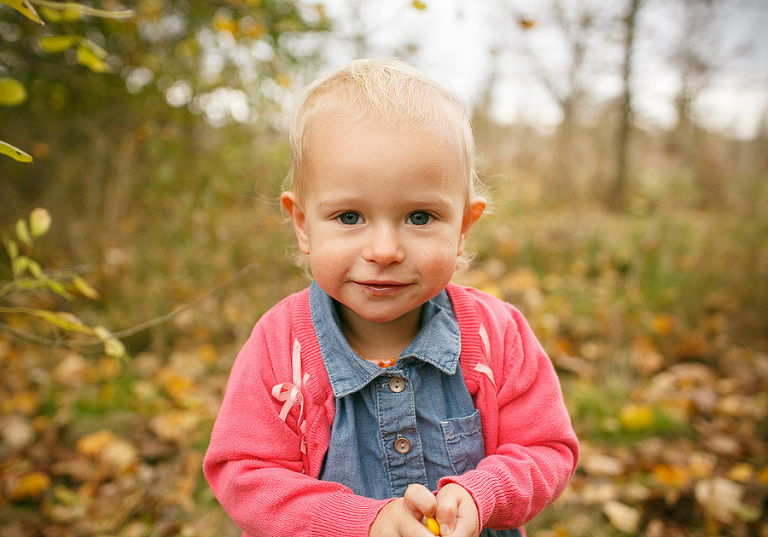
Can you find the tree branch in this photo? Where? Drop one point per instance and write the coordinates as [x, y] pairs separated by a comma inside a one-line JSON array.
[[73, 344]]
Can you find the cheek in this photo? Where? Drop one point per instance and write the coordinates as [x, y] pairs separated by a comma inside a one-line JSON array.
[[440, 259]]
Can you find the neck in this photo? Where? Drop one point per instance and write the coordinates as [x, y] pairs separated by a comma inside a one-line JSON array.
[[379, 340]]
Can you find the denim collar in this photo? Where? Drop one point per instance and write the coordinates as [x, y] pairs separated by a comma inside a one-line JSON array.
[[438, 343]]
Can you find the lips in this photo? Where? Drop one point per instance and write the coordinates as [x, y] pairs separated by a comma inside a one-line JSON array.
[[381, 288]]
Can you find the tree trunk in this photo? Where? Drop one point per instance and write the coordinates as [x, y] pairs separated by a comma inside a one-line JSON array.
[[618, 196]]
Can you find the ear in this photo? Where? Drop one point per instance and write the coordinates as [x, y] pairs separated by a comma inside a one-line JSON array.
[[291, 204], [472, 213]]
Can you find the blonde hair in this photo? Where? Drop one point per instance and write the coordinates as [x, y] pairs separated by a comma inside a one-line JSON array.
[[392, 93]]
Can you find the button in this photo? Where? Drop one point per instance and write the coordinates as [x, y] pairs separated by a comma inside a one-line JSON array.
[[396, 384], [402, 445]]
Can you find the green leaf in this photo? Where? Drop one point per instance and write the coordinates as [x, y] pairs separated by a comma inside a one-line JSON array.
[[19, 265], [14, 152], [12, 92], [57, 287], [86, 290], [39, 222], [96, 49], [72, 9], [112, 346], [70, 13], [64, 320], [12, 248], [22, 232], [87, 58], [34, 268], [59, 43], [25, 8]]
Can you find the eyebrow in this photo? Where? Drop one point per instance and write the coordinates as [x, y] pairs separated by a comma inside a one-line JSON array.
[[435, 200]]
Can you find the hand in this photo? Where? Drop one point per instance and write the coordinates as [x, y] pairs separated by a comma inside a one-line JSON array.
[[456, 512], [404, 516]]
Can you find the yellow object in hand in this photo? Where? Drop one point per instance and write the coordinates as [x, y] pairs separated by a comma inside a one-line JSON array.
[[433, 526]]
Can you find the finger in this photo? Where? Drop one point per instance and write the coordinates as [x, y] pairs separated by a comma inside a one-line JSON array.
[[466, 519], [445, 514], [419, 501]]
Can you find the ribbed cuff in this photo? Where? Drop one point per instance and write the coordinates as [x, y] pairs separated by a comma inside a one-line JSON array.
[[345, 515]]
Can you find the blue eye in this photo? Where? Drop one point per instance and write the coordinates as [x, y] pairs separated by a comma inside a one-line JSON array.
[[419, 218], [348, 218]]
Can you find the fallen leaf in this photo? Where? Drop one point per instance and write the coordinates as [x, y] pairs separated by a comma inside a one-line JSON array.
[[30, 486], [741, 472], [16, 431], [120, 455], [92, 444], [622, 516], [174, 426], [71, 371], [671, 476], [636, 417], [598, 464], [720, 497]]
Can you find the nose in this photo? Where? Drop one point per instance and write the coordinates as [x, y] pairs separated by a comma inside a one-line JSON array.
[[384, 246]]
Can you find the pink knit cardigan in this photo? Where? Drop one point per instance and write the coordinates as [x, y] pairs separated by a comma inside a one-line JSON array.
[[274, 426]]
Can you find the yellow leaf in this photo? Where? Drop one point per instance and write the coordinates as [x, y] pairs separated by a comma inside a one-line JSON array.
[[63, 319], [25, 8], [12, 92], [663, 324], [636, 417], [762, 476], [671, 476], [86, 290], [22, 231], [23, 402], [492, 290], [54, 44], [92, 444], [87, 58], [741, 473], [525, 23], [419, 5], [30, 486], [283, 80], [39, 222], [176, 385], [14, 152]]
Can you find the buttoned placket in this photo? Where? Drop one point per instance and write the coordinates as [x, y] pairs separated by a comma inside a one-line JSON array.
[[398, 431], [377, 445]]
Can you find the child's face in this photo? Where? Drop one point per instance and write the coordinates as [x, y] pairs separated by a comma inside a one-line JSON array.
[[383, 215]]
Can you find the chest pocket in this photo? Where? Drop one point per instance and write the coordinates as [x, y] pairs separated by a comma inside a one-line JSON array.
[[464, 442]]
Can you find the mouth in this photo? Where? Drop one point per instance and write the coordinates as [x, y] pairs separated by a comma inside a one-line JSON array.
[[381, 288]]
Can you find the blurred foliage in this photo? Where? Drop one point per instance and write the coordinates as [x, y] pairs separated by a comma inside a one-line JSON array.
[[116, 145], [30, 283]]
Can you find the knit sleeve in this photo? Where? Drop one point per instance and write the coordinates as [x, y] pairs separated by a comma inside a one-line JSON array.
[[254, 462], [536, 449]]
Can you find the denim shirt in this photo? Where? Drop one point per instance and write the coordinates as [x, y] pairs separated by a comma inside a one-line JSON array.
[[413, 422]]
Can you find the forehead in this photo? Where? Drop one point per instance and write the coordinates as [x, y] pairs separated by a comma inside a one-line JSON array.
[[348, 136], [352, 151]]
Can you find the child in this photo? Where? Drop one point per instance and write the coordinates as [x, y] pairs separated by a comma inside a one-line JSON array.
[[384, 394]]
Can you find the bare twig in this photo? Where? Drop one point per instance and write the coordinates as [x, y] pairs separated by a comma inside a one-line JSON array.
[[74, 344]]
